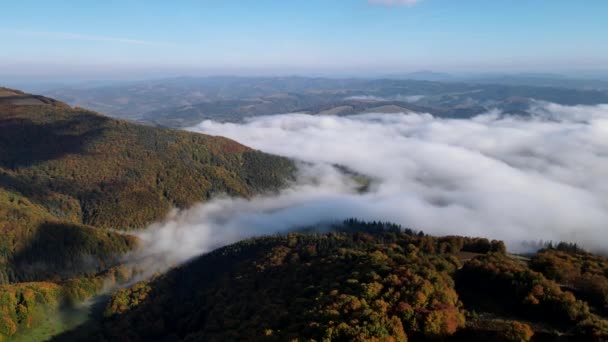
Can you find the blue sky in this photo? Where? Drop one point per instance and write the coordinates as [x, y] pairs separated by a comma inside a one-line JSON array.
[[128, 37]]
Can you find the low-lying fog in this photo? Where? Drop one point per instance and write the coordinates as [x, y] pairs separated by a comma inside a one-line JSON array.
[[497, 176]]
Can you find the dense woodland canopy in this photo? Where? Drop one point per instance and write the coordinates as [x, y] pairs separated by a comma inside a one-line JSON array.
[[62, 169], [71, 178], [360, 282]]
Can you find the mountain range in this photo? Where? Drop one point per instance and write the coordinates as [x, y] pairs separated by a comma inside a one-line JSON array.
[[186, 101]]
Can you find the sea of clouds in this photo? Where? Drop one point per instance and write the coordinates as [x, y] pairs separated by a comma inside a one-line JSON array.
[[539, 177]]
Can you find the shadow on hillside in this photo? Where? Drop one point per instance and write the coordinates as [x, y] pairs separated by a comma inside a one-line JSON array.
[[175, 322], [53, 197], [35, 189], [25, 143], [25, 187], [67, 250], [90, 330]]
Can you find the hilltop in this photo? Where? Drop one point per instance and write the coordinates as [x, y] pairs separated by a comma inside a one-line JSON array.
[[361, 282], [70, 178]]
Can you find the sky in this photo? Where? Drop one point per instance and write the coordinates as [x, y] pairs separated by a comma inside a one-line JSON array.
[[129, 38]]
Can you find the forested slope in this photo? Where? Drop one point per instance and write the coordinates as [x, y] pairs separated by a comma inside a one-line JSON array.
[[364, 281], [109, 173], [71, 179], [66, 166]]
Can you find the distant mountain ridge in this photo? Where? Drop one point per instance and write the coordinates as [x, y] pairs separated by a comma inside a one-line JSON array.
[[186, 101]]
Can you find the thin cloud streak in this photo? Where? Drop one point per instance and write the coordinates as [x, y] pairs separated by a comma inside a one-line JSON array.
[[394, 2], [76, 36]]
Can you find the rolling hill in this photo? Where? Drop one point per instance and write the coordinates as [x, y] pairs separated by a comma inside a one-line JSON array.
[[71, 165], [361, 282], [71, 180]]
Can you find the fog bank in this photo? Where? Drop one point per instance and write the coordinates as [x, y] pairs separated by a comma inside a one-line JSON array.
[[497, 176]]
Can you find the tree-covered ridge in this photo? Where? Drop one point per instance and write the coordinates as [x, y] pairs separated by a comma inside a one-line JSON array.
[[110, 173], [68, 174], [363, 281], [280, 293], [35, 245], [509, 288], [583, 273]]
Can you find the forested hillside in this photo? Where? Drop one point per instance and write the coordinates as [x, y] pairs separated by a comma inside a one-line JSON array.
[[60, 164], [86, 167], [70, 179], [363, 281]]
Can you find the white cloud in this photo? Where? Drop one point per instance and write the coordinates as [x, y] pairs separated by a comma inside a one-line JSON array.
[[510, 178]]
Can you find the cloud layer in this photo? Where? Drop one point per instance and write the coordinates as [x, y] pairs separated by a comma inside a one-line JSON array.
[[511, 178]]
